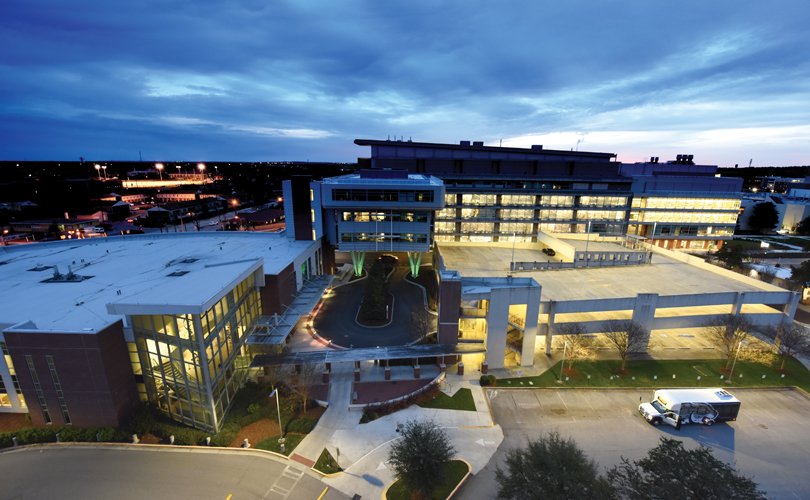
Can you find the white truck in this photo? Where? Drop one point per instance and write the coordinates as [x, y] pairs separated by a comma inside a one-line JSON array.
[[693, 406]]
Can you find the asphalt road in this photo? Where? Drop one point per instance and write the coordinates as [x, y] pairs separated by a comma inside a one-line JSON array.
[[768, 442], [336, 321], [82, 473]]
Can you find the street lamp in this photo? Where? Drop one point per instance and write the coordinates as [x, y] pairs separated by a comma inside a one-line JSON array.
[[235, 215], [563, 361], [652, 241], [98, 169], [201, 166], [587, 239], [278, 409], [159, 168], [735, 360], [105, 171]]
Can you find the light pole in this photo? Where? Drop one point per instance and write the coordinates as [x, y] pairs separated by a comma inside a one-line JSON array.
[[652, 241], [178, 170], [98, 169], [159, 168], [563, 361], [735, 360], [278, 409], [104, 168], [514, 239], [201, 166]]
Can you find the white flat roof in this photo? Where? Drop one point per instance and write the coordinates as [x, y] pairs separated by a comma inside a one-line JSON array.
[[138, 266], [664, 276]]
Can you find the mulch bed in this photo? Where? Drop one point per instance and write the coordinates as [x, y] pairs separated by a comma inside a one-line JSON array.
[[13, 422], [149, 439], [374, 392], [255, 432]]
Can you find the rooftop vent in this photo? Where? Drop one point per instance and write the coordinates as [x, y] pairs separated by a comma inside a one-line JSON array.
[[177, 274], [723, 394], [188, 260], [478, 143], [40, 267], [70, 277], [537, 146], [464, 143]]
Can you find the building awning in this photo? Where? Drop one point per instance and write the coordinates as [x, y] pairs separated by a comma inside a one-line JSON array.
[[366, 354]]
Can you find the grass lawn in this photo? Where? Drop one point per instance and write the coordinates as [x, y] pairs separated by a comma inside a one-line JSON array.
[[326, 463], [456, 470], [271, 443], [462, 400], [642, 373]]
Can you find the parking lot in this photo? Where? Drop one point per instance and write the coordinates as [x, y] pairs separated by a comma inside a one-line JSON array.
[[768, 442]]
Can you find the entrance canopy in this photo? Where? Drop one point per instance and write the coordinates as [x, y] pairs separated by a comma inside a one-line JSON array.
[[366, 354]]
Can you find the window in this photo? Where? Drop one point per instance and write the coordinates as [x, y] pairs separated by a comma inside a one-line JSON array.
[[450, 198], [522, 228], [477, 213], [58, 388], [602, 201], [478, 199], [517, 199], [557, 214], [508, 213], [445, 227], [447, 213], [40, 395], [477, 227], [557, 201]]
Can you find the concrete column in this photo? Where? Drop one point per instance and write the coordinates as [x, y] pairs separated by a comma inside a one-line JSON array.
[[325, 377], [497, 326], [442, 368], [484, 368], [461, 368], [530, 327], [736, 307], [387, 373], [416, 371], [328, 367], [790, 307], [550, 325], [644, 313], [357, 374]]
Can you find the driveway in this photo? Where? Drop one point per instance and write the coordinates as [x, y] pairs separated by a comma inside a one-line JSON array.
[[135, 472], [768, 442], [336, 320]]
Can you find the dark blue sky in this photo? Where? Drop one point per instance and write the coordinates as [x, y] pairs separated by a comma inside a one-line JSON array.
[[727, 81]]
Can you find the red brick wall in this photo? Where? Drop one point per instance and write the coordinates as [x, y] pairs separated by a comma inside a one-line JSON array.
[[94, 371], [278, 291]]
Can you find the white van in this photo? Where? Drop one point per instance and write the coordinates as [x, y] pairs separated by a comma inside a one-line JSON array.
[[694, 406]]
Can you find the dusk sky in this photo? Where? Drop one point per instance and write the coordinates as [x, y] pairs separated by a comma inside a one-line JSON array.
[[727, 81]]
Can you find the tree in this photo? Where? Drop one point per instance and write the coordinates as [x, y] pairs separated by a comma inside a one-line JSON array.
[[274, 374], [671, 472], [579, 346], [626, 336], [730, 255], [726, 332], [804, 227], [302, 383], [420, 457], [764, 218], [376, 296], [550, 468], [800, 276], [422, 322], [789, 339]]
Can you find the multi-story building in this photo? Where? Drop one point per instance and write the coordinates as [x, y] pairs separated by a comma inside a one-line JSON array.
[[495, 193]]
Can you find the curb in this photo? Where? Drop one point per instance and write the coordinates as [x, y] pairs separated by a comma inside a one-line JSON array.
[[424, 295], [394, 301], [530, 388]]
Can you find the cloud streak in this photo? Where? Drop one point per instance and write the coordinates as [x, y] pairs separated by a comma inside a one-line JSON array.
[[250, 80]]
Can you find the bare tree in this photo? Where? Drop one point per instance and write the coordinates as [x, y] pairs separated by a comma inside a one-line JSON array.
[[726, 332], [422, 322], [579, 346], [274, 374], [789, 338], [626, 336], [302, 383]]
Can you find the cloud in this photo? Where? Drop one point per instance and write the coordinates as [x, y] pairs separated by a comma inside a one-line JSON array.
[[318, 74]]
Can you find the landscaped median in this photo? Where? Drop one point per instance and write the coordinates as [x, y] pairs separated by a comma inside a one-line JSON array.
[[457, 472], [762, 372]]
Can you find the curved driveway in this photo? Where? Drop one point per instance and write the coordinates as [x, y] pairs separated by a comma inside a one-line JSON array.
[[336, 319], [76, 472]]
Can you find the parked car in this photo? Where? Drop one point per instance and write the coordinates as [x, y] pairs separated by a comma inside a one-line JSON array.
[[549, 251], [388, 259]]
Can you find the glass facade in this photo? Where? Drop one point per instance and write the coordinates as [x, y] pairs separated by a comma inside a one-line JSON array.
[[508, 213], [687, 203], [6, 393], [192, 365], [517, 199]]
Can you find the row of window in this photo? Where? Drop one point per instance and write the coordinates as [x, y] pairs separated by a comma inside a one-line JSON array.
[[5, 398], [384, 216], [481, 199], [668, 231], [687, 203], [516, 214], [382, 237], [381, 195], [685, 217]]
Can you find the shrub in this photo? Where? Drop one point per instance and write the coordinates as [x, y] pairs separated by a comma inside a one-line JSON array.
[[33, 435], [302, 425], [254, 408], [6, 440], [106, 434], [78, 434], [487, 380], [143, 419]]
